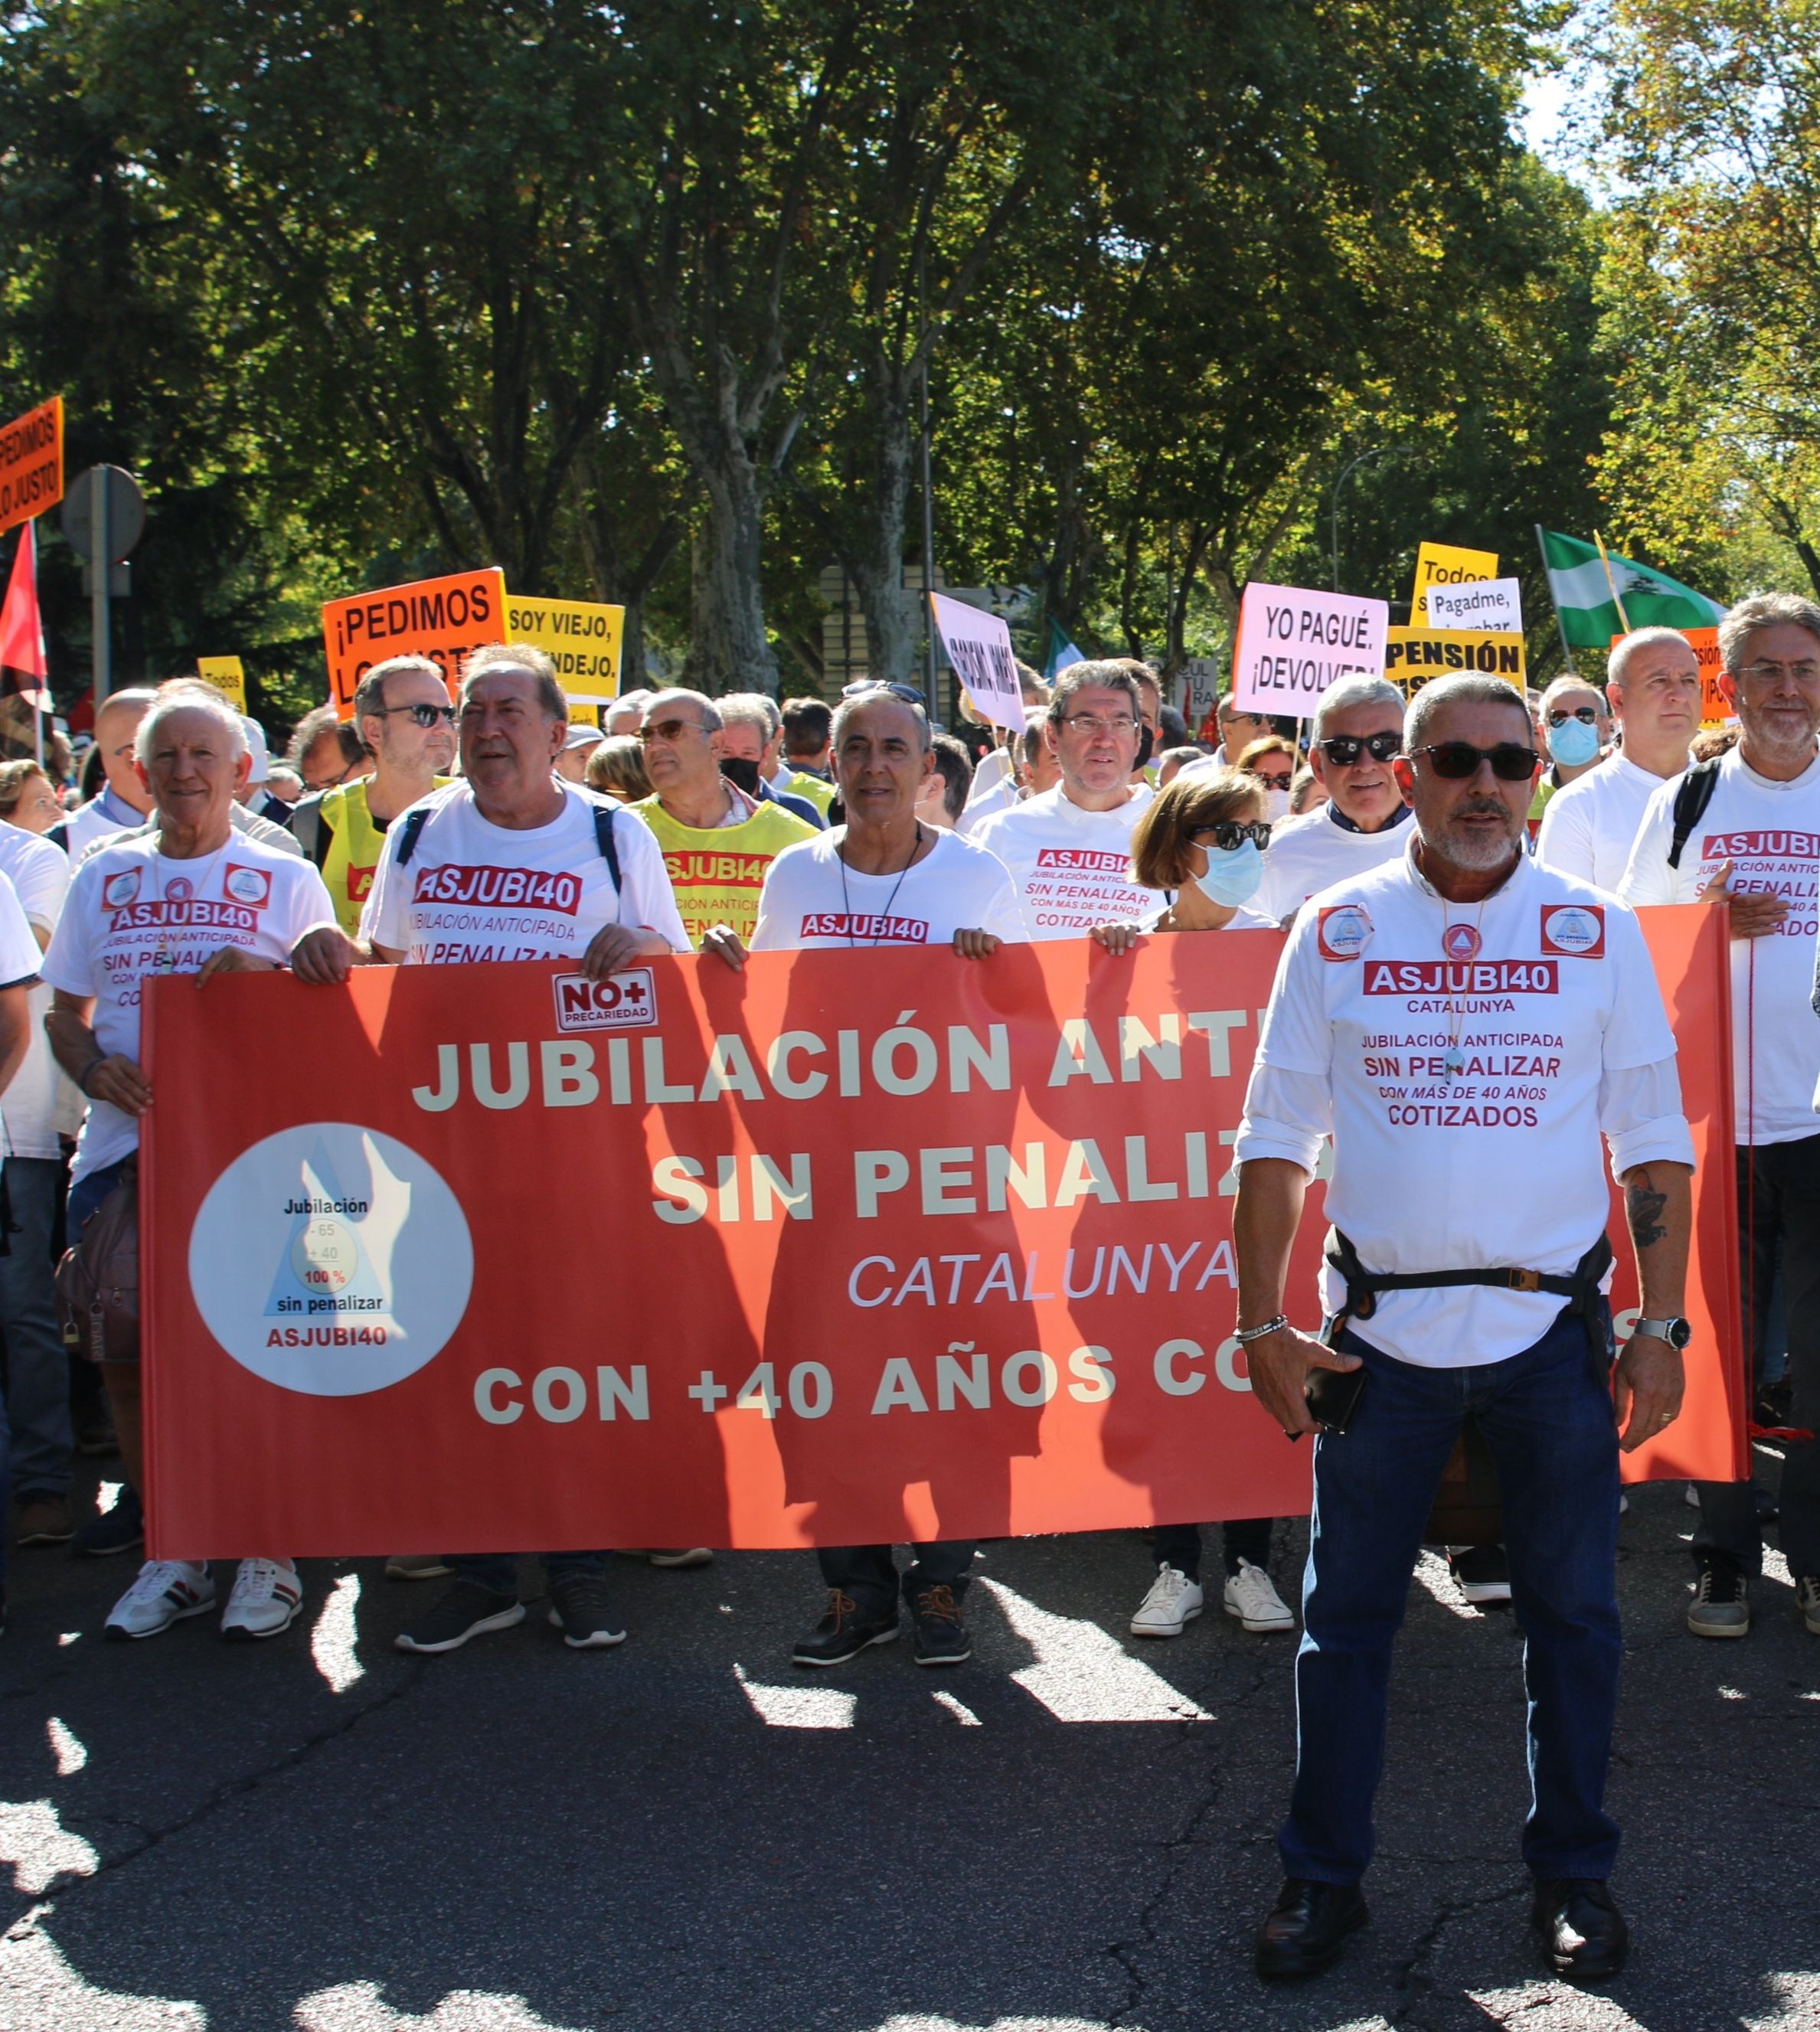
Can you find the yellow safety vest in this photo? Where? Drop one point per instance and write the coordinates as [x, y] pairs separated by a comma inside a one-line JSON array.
[[356, 842]]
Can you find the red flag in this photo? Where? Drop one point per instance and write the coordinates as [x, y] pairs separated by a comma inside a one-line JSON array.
[[23, 666]]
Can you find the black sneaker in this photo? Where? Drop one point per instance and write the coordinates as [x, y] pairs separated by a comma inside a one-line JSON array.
[[579, 1609], [1481, 1572], [941, 1638], [95, 1439], [1721, 1604], [118, 1530], [843, 1633], [467, 1610]]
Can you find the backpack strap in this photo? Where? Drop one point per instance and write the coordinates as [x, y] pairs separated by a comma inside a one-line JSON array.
[[411, 831], [603, 816], [1690, 802]]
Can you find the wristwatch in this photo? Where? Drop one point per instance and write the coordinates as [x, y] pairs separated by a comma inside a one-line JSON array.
[[1676, 1332]]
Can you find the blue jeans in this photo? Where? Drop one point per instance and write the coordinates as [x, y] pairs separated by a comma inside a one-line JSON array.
[[1546, 1415], [37, 1362]]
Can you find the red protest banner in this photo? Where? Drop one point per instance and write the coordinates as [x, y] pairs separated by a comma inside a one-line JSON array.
[[821, 1251]]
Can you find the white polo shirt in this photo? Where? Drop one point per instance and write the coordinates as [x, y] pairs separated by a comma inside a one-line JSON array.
[[1557, 1027], [1770, 833], [1589, 829], [40, 874], [812, 900], [1309, 854], [1072, 867]]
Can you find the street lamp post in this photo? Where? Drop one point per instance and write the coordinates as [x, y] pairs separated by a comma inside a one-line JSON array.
[[1345, 472]]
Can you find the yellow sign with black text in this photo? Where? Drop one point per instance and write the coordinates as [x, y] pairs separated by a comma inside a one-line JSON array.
[[1445, 564], [579, 637], [1413, 655], [227, 676]]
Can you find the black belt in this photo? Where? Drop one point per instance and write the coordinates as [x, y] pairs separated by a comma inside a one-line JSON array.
[[1580, 1287]]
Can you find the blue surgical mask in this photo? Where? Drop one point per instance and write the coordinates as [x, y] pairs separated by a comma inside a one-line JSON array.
[[1573, 742], [1233, 873]]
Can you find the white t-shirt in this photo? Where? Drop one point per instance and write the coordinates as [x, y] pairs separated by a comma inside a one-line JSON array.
[[1072, 868], [40, 874], [1589, 829], [1309, 854], [1770, 833], [98, 818], [1559, 1030], [132, 912], [812, 900], [473, 891]]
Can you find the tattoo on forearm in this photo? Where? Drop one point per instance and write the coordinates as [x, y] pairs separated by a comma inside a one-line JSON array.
[[1643, 1209]]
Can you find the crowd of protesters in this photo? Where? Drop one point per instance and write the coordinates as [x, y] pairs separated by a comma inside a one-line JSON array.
[[1464, 817]]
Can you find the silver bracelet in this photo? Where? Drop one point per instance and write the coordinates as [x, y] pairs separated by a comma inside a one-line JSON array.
[[1242, 1334]]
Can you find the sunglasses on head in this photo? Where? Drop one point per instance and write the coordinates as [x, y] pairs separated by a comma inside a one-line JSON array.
[[1559, 716], [908, 694], [1343, 750], [1510, 762], [1228, 835], [422, 715]]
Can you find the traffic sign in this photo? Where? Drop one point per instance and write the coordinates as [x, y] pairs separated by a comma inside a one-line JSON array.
[[124, 511]]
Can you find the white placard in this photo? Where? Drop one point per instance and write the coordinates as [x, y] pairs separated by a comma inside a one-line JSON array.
[[1293, 643], [1492, 606], [979, 646]]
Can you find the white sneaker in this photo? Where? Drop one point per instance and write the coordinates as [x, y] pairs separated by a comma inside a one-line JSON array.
[[165, 1592], [1251, 1598], [1173, 1601], [266, 1599]]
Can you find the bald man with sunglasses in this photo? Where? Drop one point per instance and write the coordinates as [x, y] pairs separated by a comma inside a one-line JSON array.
[[1472, 1031], [1357, 735]]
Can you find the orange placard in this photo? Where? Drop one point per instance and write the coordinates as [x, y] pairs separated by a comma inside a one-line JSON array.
[[841, 1248], [31, 463], [1715, 708], [442, 618]]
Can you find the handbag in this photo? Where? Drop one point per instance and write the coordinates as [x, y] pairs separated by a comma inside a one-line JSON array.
[[98, 1279]]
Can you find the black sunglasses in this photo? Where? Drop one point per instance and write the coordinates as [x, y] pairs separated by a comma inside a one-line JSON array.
[[908, 694], [1510, 762], [1343, 749], [1559, 716], [1228, 835], [425, 715]]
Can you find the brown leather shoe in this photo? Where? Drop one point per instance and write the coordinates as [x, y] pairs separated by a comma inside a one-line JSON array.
[[1307, 1928], [44, 1520], [1583, 1933]]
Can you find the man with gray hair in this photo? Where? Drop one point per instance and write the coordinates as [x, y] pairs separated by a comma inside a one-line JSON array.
[[510, 862], [751, 741], [1358, 732], [189, 895], [1069, 848], [1743, 832], [1397, 1002], [717, 841], [1653, 681]]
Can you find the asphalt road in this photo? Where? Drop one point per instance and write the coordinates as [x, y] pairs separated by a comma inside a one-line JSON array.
[[1073, 1831]]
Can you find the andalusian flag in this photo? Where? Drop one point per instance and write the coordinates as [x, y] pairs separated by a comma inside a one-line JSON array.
[[1062, 651], [1583, 594]]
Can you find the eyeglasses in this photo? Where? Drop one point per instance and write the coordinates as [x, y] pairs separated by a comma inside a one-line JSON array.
[[1588, 715], [425, 716], [668, 729], [1510, 762], [1342, 750], [1090, 723], [1228, 835], [1803, 673], [908, 694]]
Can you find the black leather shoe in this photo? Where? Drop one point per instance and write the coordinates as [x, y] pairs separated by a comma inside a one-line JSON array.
[[1307, 1928], [1582, 1931]]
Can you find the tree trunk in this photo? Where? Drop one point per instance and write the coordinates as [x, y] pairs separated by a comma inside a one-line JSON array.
[[729, 650], [876, 564]]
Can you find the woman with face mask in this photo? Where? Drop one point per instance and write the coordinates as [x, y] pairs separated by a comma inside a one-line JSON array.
[[1202, 843], [1271, 760]]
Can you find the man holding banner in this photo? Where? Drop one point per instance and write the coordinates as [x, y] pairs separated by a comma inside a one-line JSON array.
[[1466, 1026], [511, 863], [1069, 850]]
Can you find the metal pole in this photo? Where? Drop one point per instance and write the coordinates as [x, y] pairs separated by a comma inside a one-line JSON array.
[[1345, 472], [1560, 625], [928, 553], [101, 564]]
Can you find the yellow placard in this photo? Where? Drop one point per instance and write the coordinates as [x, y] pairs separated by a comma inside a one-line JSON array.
[[582, 715], [580, 637], [1413, 655], [1445, 564], [226, 676]]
